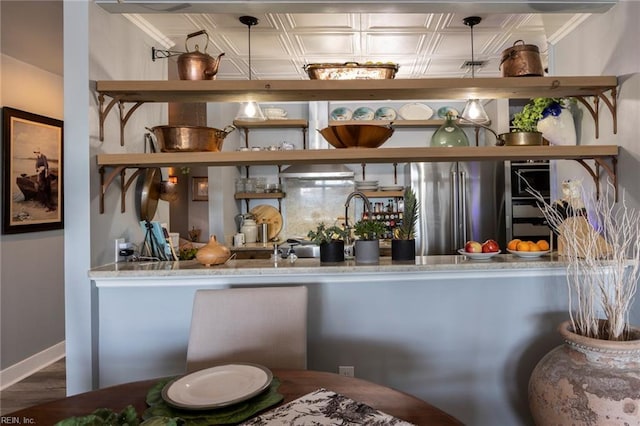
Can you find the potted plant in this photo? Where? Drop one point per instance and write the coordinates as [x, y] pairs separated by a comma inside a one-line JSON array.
[[331, 242], [403, 245], [542, 117], [594, 374], [367, 246]]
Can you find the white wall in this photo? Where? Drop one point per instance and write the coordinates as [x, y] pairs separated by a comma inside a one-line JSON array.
[[98, 46], [31, 276], [608, 45]]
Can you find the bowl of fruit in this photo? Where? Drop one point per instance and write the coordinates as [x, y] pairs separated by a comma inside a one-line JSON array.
[[480, 251], [528, 249]]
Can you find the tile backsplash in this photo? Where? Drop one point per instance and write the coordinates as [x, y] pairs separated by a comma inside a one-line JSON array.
[[309, 202]]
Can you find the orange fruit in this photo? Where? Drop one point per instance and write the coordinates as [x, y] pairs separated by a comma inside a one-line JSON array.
[[522, 246], [543, 245], [513, 244], [533, 246]]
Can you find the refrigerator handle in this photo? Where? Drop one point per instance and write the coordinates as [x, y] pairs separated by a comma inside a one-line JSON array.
[[463, 206], [455, 198]]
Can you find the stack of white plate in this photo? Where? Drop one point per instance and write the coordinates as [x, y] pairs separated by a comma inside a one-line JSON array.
[[366, 185]]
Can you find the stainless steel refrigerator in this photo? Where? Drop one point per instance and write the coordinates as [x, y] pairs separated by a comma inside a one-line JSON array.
[[458, 202]]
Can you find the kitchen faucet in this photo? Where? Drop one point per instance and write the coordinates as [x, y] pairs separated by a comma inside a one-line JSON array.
[[367, 207]]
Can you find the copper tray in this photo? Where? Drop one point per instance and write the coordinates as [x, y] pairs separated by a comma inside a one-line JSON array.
[[351, 71]]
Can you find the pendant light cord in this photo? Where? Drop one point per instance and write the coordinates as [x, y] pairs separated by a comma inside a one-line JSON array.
[[472, 21], [249, 27], [473, 61], [249, 21]]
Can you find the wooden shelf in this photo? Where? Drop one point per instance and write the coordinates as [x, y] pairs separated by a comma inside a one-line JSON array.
[[383, 194], [259, 195], [341, 90], [276, 124], [359, 155], [604, 156], [394, 123]]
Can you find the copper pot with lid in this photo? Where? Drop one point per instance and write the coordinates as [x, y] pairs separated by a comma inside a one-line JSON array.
[[521, 60], [198, 65]]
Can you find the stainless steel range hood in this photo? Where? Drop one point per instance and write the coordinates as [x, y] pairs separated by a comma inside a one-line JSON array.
[[318, 119], [317, 171]]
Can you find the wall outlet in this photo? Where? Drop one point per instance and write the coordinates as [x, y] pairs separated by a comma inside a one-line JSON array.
[[346, 370], [116, 246]]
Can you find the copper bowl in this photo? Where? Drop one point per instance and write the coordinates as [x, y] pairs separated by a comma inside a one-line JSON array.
[[190, 138], [357, 135]]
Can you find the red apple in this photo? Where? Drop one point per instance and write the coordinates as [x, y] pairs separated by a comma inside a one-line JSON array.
[[473, 247], [490, 246]]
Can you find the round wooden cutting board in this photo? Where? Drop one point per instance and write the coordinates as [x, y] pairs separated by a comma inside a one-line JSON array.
[[271, 215]]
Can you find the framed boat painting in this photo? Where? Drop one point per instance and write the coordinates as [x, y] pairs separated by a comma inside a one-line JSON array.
[[32, 179]]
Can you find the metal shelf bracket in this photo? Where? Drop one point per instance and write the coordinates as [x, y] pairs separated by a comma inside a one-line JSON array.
[[594, 172], [124, 117], [105, 182], [611, 103]]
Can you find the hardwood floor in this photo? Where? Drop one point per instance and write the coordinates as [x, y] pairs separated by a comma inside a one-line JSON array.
[[45, 385]]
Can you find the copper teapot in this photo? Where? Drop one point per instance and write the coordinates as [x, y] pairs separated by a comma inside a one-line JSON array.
[[198, 65]]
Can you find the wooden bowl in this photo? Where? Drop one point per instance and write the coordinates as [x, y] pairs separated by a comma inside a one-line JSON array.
[[356, 135]]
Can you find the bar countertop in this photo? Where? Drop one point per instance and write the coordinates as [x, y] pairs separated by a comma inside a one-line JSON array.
[[500, 265]]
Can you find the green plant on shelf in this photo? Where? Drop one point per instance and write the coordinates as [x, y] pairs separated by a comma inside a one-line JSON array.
[[527, 119]]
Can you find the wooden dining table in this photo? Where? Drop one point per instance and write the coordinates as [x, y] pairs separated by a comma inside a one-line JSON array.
[[294, 384]]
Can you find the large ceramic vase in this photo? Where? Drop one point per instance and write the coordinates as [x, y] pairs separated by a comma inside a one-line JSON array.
[[403, 250], [332, 252], [367, 251], [558, 128], [587, 381]]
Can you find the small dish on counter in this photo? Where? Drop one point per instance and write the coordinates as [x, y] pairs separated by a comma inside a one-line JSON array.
[[529, 254], [479, 256]]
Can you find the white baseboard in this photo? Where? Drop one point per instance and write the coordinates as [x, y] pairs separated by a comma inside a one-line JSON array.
[[27, 367]]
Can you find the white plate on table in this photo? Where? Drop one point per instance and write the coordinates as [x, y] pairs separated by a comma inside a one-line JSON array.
[[217, 387], [479, 256], [529, 254], [392, 188], [415, 111]]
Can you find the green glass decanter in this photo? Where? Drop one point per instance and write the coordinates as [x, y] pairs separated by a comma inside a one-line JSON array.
[[449, 134]]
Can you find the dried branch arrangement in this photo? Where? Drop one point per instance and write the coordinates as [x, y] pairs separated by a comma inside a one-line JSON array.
[[601, 242]]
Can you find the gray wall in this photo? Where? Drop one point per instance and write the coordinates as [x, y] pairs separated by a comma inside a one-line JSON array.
[[607, 45], [31, 273]]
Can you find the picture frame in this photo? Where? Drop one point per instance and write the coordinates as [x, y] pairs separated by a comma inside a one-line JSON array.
[[200, 188], [32, 181]]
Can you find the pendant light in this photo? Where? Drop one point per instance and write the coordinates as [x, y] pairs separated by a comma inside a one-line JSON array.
[[250, 110], [473, 110]]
